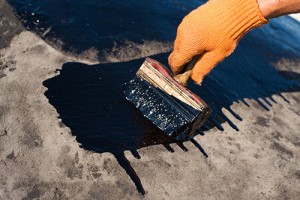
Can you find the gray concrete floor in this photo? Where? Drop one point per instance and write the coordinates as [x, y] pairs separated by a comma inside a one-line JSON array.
[[40, 159]]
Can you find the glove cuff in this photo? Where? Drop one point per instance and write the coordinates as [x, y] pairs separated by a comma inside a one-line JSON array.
[[238, 17]]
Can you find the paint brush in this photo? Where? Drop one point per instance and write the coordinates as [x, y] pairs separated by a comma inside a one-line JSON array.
[[166, 102]]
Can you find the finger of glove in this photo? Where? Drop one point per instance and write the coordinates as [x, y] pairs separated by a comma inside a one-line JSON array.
[[179, 58], [205, 64]]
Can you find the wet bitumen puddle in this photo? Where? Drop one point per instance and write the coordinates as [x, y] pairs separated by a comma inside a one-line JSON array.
[[90, 100]]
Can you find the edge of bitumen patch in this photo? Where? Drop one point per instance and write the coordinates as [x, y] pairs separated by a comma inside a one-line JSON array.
[[10, 26]]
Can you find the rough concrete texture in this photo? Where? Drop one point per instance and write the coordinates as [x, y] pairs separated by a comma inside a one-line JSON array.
[[40, 159]]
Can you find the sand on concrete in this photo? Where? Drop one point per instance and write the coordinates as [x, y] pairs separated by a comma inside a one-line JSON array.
[[40, 159]]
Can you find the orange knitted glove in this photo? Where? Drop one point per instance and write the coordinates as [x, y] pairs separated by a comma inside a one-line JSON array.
[[212, 31]]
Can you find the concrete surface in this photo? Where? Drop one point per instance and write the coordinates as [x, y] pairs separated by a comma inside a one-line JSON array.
[[40, 159], [296, 16]]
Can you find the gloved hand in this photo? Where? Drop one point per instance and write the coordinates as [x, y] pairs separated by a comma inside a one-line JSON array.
[[212, 31]]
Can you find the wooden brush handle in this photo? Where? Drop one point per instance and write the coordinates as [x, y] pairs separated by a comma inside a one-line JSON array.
[[184, 77]]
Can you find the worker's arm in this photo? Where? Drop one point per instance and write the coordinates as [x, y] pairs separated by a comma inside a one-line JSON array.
[[276, 8], [214, 29]]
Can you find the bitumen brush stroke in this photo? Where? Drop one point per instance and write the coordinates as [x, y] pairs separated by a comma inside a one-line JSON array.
[[89, 98], [82, 25], [90, 101]]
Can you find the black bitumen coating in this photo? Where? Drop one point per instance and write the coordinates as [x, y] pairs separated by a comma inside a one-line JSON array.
[[101, 24]]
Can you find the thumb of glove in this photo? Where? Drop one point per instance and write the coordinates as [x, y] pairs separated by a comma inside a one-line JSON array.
[[206, 63]]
